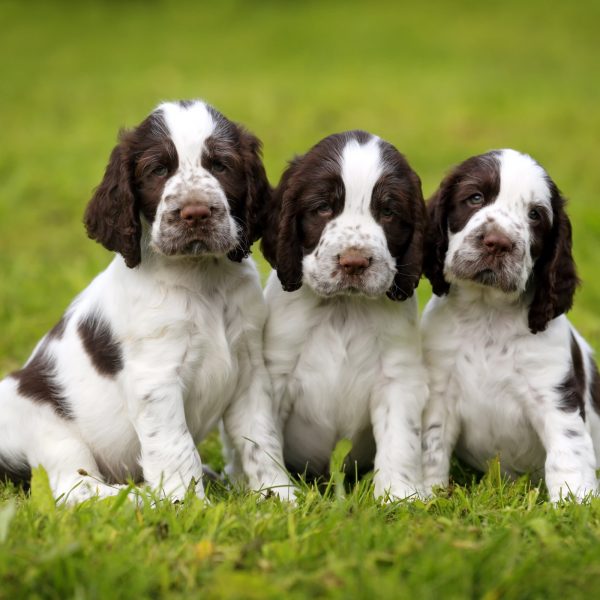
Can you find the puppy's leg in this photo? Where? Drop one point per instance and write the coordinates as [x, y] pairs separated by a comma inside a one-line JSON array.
[[396, 412], [169, 457], [441, 428], [233, 464], [33, 434], [570, 460], [250, 425]]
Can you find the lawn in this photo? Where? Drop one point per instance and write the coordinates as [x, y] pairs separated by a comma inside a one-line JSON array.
[[441, 81]]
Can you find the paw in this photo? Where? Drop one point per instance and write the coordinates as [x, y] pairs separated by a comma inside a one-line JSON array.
[[176, 492], [85, 489], [398, 490], [285, 492], [577, 494], [431, 486]]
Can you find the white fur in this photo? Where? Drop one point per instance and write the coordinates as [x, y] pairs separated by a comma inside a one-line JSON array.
[[190, 331], [494, 384], [345, 365]]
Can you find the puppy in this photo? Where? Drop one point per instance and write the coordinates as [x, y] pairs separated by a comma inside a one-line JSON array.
[[168, 339], [345, 237], [509, 375]]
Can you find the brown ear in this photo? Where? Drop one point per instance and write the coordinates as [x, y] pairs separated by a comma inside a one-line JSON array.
[[436, 239], [258, 194], [289, 249], [554, 273], [280, 243], [111, 216], [409, 265], [270, 229]]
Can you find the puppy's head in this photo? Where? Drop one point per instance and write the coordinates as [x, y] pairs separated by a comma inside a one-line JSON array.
[[189, 177], [498, 220], [348, 217]]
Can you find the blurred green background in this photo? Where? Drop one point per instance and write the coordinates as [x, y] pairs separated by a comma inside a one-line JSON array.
[[440, 80]]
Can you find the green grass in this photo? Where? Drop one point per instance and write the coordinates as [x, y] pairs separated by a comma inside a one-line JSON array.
[[441, 81]]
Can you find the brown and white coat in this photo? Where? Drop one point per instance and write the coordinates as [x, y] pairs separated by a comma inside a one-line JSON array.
[[509, 375], [345, 237], [167, 341]]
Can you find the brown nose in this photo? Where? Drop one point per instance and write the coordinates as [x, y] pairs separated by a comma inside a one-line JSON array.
[[497, 243], [195, 213], [353, 262]]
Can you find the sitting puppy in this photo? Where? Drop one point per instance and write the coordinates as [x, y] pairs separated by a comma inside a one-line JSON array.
[[342, 343], [168, 339], [509, 375]]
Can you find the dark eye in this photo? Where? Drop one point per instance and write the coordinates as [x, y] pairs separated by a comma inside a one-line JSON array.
[[387, 212], [475, 199], [218, 166], [534, 214], [324, 209], [160, 171]]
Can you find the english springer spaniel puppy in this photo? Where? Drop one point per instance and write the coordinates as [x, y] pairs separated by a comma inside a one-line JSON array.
[[168, 339], [509, 375], [342, 340]]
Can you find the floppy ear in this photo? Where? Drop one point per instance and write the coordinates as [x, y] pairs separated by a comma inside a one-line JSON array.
[[111, 216], [409, 266], [436, 239], [554, 274], [280, 243], [270, 229], [289, 249], [258, 193]]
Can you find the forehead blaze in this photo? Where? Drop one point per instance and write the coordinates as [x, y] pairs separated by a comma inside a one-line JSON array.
[[361, 168], [524, 182], [189, 126]]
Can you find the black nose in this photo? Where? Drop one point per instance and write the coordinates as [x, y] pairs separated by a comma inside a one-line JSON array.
[[497, 243], [353, 262], [195, 213]]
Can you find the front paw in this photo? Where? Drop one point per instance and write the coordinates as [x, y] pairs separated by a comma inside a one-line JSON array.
[[577, 494], [391, 491], [279, 486], [432, 485], [286, 492], [176, 493]]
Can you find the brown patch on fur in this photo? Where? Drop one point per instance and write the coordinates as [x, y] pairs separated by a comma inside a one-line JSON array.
[[554, 273], [233, 156], [131, 185], [573, 387], [37, 381], [595, 386], [19, 474], [98, 341], [399, 190]]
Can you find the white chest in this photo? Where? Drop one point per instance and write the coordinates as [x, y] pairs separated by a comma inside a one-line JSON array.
[[328, 394], [492, 376], [491, 396], [209, 364]]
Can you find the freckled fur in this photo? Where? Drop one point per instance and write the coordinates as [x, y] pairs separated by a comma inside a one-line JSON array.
[[501, 382], [347, 364], [188, 329]]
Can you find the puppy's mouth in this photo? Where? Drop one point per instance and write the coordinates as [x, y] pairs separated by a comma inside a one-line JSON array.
[[196, 245], [352, 285], [499, 275], [486, 277]]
